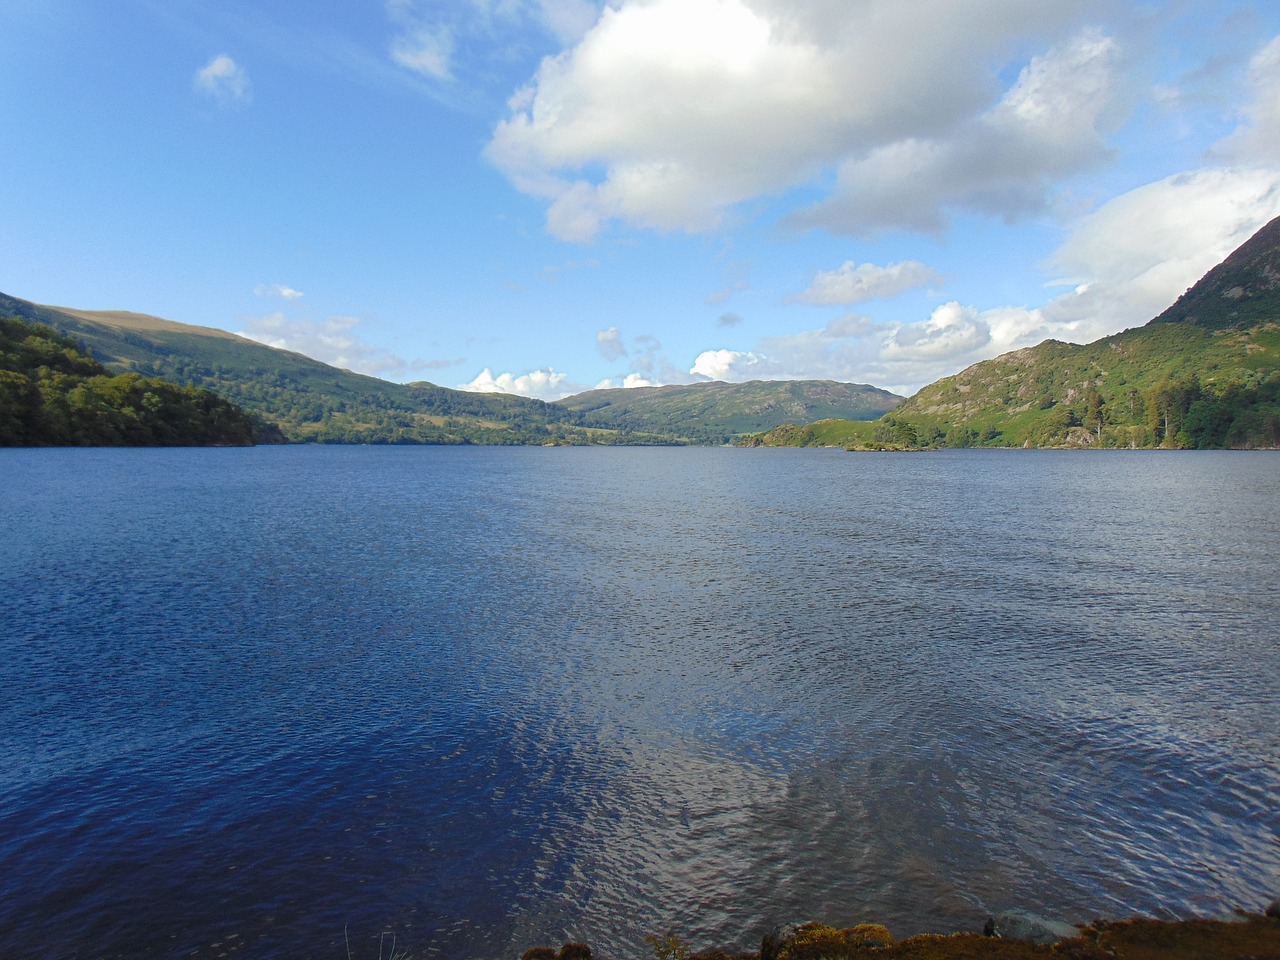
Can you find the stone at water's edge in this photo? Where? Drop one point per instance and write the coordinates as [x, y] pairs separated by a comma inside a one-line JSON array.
[[771, 943], [1024, 925]]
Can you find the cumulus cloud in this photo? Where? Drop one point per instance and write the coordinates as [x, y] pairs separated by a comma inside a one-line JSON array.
[[332, 341], [1004, 162], [847, 348], [626, 383], [690, 106], [224, 80], [568, 20], [277, 290], [545, 384], [1123, 264], [728, 320], [725, 365], [857, 283]]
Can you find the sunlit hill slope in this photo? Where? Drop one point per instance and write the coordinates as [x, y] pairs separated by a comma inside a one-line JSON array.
[[1205, 373]]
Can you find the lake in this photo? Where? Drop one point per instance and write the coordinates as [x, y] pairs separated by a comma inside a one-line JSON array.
[[267, 702]]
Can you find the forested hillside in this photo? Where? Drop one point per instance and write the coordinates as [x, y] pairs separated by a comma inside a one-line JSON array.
[[310, 401], [719, 412], [52, 394]]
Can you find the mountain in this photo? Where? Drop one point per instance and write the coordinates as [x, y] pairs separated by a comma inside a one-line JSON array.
[[52, 394], [1243, 291], [310, 401], [1205, 373], [307, 399], [717, 412]]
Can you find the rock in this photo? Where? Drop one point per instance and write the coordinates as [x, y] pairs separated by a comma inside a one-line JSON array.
[[1023, 925], [771, 943], [1273, 909], [570, 951]]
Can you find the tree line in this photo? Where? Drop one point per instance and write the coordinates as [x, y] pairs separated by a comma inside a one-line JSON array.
[[1179, 412], [53, 394]]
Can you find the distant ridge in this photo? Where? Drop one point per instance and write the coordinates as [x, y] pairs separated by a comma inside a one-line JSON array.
[[310, 401], [717, 411]]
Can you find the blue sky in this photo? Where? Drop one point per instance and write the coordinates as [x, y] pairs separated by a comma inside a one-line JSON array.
[[545, 196]]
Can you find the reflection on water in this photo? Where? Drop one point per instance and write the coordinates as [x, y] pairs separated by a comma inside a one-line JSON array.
[[491, 698]]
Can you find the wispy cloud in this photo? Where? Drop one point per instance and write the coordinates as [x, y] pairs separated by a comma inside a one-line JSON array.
[[857, 283], [277, 290], [333, 341], [225, 81], [1257, 138], [425, 51], [446, 41]]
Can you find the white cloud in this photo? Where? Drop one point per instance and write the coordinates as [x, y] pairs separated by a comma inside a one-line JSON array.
[[1135, 255], [1257, 140], [543, 384], [225, 81], [857, 283], [424, 51], [568, 20], [628, 382], [1003, 163], [609, 343], [1125, 263], [725, 365], [690, 106], [441, 41], [277, 290], [332, 341]]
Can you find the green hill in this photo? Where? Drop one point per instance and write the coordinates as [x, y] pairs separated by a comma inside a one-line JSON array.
[[717, 412], [51, 394], [310, 401], [1205, 373]]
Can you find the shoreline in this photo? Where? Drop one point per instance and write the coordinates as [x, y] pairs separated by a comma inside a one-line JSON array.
[[1014, 935]]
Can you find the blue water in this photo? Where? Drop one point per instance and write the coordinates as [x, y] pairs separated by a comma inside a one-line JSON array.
[[267, 702]]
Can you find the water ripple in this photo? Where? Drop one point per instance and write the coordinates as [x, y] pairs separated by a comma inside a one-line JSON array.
[[490, 698]]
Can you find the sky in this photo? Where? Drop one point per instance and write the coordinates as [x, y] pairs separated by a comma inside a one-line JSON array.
[[548, 196]]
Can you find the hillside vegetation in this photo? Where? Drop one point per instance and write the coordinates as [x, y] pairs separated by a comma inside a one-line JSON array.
[[51, 394], [307, 400], [1163, 385], [310, 401], [717, 412], [1204, 374]]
